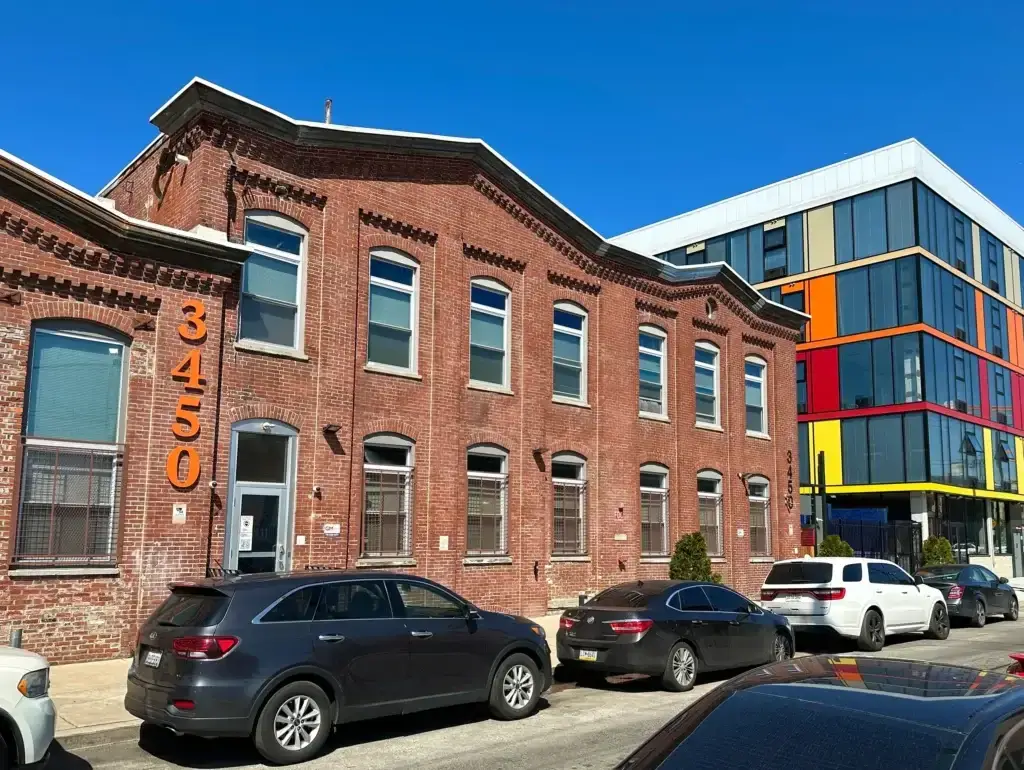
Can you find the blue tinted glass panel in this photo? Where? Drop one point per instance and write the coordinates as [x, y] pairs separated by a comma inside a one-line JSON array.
[[885, 442], [914, 446], [884, 307], [270, 278], [568, 320], [899, 211], [855, 379], [803, 444], [855, 451], [906, 364], [651, 341], [906, 277], [795, 244], [715, 250], [266, 321], [737, 255], [488, 297], [486, 330], [756, 242], [568, 347], [881, 354], [390, 307], [843, 214], [852, 301], [391, 271], [869, 224], [262, 235]]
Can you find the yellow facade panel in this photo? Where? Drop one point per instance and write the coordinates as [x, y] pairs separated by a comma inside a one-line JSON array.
[[821, 238], [989, 468], [827, 438]]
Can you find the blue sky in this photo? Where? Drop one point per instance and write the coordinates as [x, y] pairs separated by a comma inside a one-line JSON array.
[[627, 113]]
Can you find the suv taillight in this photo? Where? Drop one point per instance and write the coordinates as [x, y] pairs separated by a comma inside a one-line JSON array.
[[956, 592], [566, 623], [631, 626], [203, 647], [767, 596], [828, 594]]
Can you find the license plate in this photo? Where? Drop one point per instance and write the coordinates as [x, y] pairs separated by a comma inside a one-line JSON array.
[[588, 655], [152, 658]]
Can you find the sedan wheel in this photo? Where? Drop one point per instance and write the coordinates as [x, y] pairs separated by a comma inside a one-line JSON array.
[[979, 614], [1014, 609], [681, 669], [938, 628], [782, 649]]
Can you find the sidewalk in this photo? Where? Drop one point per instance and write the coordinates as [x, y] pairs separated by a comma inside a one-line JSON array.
[[90, 697]]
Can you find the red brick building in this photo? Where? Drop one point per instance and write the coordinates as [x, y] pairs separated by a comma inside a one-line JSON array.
[[275, 344]]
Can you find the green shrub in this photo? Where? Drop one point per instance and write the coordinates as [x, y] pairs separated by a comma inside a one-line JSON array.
[[833, 545], [937, 550], [690, 560]]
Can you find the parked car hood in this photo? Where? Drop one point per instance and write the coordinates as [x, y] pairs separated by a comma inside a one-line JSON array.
[[16, 659]]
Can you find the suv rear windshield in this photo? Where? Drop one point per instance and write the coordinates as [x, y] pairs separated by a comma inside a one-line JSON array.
[[786, 573], [191, 607], [621, 596]]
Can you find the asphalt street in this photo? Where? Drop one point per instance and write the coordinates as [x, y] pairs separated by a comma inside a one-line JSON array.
[[577, 728]]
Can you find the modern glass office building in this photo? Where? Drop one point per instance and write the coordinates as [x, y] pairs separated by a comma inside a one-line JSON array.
[[909, 378]]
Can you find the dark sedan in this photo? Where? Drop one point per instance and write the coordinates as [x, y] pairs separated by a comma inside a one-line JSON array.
[[285, 658], [671, 629], [847, 712], [972, 592]]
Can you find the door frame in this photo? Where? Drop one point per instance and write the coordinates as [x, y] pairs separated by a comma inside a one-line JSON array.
[[286, 523]]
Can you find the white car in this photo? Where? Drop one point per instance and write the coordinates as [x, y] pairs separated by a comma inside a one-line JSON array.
[[27, 716], [862, 599]]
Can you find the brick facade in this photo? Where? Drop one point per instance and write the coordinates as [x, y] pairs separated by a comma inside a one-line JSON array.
[[450, 217]]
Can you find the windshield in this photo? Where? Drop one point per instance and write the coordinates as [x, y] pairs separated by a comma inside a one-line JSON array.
[[787, 573], [621, 596], [191, 607]]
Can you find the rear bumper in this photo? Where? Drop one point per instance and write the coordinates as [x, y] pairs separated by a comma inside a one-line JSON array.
[[819, 624], [646, 656], [154, 705]]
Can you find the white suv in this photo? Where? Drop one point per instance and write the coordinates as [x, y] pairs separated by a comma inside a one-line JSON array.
[[27, 717], [863, 599]]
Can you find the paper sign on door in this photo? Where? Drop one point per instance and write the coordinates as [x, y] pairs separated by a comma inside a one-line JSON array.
[[245, 534]]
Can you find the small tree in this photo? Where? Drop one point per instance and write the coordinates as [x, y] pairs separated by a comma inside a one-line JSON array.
[[833, 545], [937, 550], [690, 560]]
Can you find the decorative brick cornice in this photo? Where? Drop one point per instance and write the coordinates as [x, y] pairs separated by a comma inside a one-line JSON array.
[[738, 308], [107, 262], [99, 295], [83, 311], [259, 410], [481, 254], [576, 284], [710, 326], [760, 342], [278, 188], [396, 226], [650, 307]]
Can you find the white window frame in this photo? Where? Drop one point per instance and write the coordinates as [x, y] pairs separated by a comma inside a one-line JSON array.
[[662, 356], [718, 548], [715, 369], [762, 380], [399, 258], [501, 478], [506, 320], [570, 307], [280, 222], [390, 440], [662, 471], [571, 458], [765, 501]]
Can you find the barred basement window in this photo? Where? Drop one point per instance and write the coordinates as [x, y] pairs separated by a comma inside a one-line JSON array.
[[709, 506], [71, 464], [653, 510], [569, 482], [760, 519], [487, 479], [387, 495]]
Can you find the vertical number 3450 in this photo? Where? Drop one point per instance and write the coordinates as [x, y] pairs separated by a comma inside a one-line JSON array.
[[189, 370]]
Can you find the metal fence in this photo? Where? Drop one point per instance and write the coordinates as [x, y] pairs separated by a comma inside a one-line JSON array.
[[897, 541]]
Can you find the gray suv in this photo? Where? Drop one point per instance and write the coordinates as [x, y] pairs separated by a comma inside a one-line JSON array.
[[285, 658]]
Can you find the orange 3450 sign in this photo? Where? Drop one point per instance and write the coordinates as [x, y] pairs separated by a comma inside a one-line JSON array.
[[183, 460]]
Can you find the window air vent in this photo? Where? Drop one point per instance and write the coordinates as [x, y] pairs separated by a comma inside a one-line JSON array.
[[961, 266], [961, 406], [775, 272], [997, 350], [1006, 486], [994, 285], [863, 402], [1003, 418], [961, 334]]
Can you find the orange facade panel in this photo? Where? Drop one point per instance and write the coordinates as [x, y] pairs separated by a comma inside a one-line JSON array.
[[821, 304]]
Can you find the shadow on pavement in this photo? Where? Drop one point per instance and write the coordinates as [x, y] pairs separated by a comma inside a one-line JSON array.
[[60, 759], [832, 644], [210, 754]]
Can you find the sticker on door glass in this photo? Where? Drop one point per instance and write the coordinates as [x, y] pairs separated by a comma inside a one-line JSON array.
[[245, 534]]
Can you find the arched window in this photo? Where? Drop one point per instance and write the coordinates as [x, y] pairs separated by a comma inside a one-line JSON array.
[[487, 515], [754, 375], [653, 510], [489, 325], [271, 309], [394, 312], [387, 495], [709, 507], [73, 426], [653, 342], [760, 516], [569, 483], [570, 353], [706, 378]]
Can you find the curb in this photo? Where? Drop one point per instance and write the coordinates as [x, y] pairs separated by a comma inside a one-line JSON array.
[[85, 738]]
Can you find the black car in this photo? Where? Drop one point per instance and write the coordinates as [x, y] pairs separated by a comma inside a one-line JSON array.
[[849, 712], [285, 658], [972, 592], [668, 628]]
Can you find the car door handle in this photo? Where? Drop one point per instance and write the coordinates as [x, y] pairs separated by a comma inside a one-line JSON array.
[[878, 590], [422, 634], [734, 622], [697, 622], [331, 638]]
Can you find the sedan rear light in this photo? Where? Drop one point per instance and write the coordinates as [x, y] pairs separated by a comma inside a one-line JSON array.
[[631, 626], [566, 623], [956, 592], [828, 594], [203, 647], [184, 705]]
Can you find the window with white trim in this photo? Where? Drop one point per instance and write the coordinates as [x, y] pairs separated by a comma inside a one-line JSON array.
[[569, 492], [489, 309], [271, 305], [706, 378], [394, 311], [652, 370], [653, 510], [68, 511], [760, 518], [754, 370], [387, 495], [487, 516], [709, 507], [570, 352]]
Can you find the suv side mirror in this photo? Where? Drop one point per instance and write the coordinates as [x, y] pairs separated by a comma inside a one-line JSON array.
[[918, 580], [1004, 580]]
